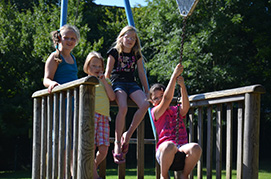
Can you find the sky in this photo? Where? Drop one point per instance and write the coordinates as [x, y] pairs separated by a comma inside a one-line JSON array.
[[120, 2]]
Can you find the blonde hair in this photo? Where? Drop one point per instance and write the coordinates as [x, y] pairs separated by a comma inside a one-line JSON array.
[[56, 37], [90, 56], [119, 42]]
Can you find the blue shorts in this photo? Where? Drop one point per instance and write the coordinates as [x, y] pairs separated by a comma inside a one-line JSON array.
[[128, 87]]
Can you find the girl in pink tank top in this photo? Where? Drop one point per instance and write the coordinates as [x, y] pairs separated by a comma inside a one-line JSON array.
[[164, 117]]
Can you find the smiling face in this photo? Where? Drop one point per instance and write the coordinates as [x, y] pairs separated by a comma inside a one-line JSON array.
[[156, 97], [95, 67], [128, 41], [68, 39]]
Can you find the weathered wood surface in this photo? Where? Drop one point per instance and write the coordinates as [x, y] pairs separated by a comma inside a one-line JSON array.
[[86, 132], [247, 131], [218, 141], [92, 80]]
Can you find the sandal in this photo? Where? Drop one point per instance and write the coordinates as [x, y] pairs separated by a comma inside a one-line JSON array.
[[118, 158]]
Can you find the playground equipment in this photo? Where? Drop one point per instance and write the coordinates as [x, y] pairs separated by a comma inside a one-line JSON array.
[[48, 160]]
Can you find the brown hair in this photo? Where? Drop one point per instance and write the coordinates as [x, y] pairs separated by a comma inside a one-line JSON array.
[[154, 87]]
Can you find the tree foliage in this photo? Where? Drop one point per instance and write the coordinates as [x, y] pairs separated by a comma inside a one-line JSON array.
[[227, 44]]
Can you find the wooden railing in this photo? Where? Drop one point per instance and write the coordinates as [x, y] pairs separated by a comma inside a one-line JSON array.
[[53, 156], [70, 108], [211, 110]]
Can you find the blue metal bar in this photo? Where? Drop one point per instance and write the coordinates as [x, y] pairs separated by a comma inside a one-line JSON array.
[[131, 22], [64, 10], [129, 13]]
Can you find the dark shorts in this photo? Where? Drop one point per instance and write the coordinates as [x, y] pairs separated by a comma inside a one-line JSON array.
[[128, 87], [177, 163]]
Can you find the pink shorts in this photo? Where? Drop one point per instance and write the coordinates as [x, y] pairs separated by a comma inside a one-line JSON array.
[[102, 130]]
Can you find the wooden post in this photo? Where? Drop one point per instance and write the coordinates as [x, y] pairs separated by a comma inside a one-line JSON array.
[[191, 132], [68, 134], [36, 139], [86, 132], [75, 131], [43, 137], [49, 137], [200, 140], [240, 132], [229, 142], [251, 136], [61, 149], [140, 150], [209, 142], [218, 141], [55, 135]]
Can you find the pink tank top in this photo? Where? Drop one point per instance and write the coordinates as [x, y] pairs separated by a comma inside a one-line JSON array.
[[166, 127]]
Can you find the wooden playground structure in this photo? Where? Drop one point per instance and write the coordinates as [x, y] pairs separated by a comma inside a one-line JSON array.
[[54, 147]]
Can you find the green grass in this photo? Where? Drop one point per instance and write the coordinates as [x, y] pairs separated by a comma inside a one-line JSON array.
[[264, 173]]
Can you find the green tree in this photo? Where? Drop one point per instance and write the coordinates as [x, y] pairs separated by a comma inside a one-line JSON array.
[[227, 45], [26, 44]]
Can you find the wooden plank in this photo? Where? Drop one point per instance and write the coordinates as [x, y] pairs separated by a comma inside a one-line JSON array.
[[49, 136], [218, 141], [229, 142], [209, 155], [230, 92], [102, 169], [61, 150], [251, 136], [43, 137], [36, 138], [134, 141], [191, 131], [140, 149], [75, 131], [217, 101], [86, 132], [55, 134], [200, 140], [157, 169], [91, 80], [240, 131], [68, 134], [121, 170]]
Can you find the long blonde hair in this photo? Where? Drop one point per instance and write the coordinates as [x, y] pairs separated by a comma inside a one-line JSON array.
[[119, 45], [90, 56]]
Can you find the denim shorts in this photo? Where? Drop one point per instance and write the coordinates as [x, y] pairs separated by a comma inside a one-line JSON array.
[[128, 87]]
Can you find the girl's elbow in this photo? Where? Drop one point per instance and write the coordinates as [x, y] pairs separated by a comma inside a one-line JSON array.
[[113, 97]]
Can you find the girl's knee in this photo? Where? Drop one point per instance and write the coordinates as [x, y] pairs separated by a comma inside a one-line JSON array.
[[103, 151], [196, 149], [145, 106], [169, 147], [123, 109]]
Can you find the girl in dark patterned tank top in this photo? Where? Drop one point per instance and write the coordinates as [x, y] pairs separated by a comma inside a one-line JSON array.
[[122, 61]]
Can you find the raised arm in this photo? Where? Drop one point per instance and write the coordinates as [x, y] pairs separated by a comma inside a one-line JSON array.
[[185, 101], [168, 94]]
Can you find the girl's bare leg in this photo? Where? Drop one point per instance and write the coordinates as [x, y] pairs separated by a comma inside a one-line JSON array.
[[167, 153], [140, 99], [101, 154], [121, 98], [193, 153]]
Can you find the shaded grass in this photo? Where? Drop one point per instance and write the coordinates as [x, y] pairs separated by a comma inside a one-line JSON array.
[[149, 173]]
